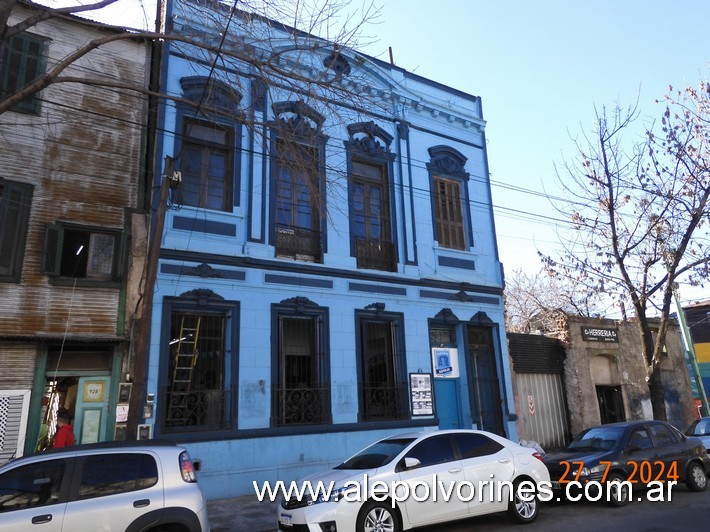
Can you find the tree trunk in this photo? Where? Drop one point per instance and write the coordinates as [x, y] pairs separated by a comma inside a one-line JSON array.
[[658, 399]]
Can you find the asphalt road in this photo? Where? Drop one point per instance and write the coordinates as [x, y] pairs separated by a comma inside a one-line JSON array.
[[686, 511]]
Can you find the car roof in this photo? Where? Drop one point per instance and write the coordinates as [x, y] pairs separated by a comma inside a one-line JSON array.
[[87, 448]]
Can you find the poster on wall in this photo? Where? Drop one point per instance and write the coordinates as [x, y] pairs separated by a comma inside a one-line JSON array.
[[421, 398], [446, 362]]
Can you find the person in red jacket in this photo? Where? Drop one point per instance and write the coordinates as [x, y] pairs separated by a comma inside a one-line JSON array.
[[65, 432]]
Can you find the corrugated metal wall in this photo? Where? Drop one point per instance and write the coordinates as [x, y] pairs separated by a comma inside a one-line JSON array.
[[548, 424]]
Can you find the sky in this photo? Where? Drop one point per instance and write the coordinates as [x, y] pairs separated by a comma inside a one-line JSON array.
[[540, 67]]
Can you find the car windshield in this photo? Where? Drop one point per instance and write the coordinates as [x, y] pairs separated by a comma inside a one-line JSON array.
[[699, 428], [376, 455], [597, 439]]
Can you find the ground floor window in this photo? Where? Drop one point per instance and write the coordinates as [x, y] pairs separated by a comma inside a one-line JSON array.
[[301, 392], [383, 385], [198, 366]]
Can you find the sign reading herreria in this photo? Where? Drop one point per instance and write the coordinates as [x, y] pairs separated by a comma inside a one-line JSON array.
[[600, 334]]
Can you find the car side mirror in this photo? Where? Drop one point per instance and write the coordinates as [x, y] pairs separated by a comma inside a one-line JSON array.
[[410, 462]]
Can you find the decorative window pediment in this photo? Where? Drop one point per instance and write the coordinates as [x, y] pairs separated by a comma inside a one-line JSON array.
[[211, 94], [447, 160], [298, 118], [369, 138]]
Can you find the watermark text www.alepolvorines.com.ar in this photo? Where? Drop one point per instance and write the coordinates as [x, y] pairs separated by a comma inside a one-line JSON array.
[[466, 491]]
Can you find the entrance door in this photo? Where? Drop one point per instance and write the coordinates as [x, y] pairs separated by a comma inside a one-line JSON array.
[[447, 403], [91, 409], [484, 386], [611, 407]]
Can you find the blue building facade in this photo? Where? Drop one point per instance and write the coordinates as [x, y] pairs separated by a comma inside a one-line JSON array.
[[328, 272]]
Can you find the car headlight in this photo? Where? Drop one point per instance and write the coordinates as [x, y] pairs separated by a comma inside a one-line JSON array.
[[333, 496], [585, 472]]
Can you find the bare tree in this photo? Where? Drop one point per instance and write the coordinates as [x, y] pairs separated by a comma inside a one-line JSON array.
[[534, 301], [640, 215]]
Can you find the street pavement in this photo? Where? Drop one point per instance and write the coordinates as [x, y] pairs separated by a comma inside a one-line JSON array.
[[242, 514], [687, 511]]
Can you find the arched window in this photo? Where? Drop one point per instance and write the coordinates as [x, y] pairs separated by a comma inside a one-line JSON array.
[[208, 144]]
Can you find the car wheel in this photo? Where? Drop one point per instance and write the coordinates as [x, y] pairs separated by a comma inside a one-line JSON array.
[[378, 517], [695, 477], [523, 508], [617, 495]]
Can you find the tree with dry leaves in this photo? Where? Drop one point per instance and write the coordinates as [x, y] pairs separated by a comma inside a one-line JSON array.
[[533, 302], [640, 215]]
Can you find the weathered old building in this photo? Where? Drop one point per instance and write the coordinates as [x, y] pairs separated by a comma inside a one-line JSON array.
[[329, 270], [71, 243], [698, 319], [592, 372]]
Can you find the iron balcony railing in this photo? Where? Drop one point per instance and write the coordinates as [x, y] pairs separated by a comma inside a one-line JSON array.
[[375, 254], [298, 243], [385, 402], [301, 405], [195, 409]]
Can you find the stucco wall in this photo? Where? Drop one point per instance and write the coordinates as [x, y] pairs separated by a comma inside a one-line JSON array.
[[625, 368]]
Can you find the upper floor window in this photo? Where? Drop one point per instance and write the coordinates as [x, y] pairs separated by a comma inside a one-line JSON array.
[[76, 252], [450, 210], [369, 191], [297, 182], [207, 153], [14, 214], [21, 62], [208, 144]]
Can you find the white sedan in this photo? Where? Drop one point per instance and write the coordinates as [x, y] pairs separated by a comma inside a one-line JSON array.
[[411, 480]]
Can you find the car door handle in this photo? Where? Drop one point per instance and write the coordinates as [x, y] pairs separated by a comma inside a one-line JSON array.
[[504, 461], [141, 503], [455, 470], [39, 519]]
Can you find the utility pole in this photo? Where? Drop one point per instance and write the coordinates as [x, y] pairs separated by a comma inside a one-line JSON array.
[[141, 338], [688, 341]]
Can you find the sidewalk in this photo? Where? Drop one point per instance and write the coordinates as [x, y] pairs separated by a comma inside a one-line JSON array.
[[242, 514]]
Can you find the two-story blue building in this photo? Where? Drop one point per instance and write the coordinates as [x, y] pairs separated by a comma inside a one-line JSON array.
[[328, 272]]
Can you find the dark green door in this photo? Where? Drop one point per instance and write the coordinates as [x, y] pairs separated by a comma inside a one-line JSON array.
[[484, 384]]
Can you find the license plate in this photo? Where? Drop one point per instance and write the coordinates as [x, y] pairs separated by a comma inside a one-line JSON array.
[[286, 519], [556, 485]]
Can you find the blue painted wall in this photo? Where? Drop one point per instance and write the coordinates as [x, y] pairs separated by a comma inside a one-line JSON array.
[[429, 278]]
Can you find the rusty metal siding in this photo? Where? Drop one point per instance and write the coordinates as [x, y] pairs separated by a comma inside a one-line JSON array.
[[17, 365], [548, 424], [83, 154]]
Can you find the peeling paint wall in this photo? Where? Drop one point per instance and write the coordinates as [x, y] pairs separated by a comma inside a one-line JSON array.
[[625, 367]]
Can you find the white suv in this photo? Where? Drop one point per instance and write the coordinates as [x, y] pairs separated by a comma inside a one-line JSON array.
[[110, 486]]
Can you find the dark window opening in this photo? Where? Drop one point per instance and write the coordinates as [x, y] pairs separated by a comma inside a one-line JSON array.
[[301, 394], [207, 165], [82, 253], [15, 201], [21, 63], [297, 201], [370, 217], [383, 388], [197, 389]]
